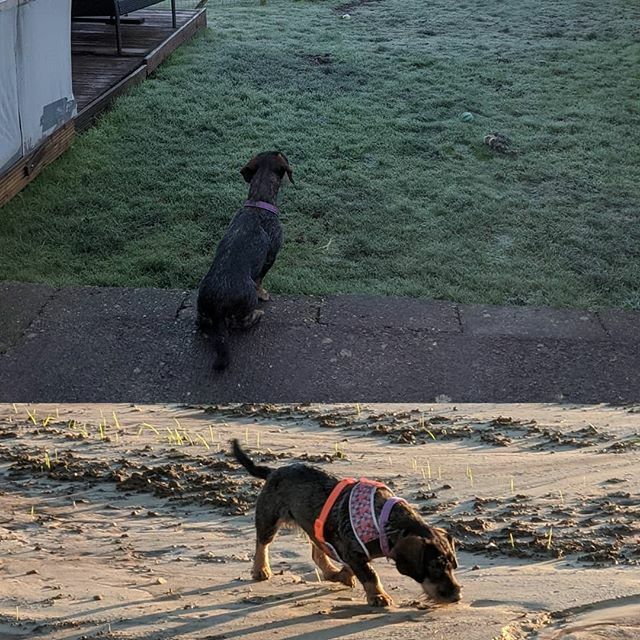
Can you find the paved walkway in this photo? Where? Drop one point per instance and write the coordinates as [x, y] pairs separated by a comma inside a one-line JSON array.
[[140, 345]]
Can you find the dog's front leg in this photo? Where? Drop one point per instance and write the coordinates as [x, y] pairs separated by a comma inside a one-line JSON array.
[[263, 294], [376, 595]]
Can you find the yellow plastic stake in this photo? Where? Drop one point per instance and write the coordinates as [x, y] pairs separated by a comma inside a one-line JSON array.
[[204, 442], [47, 461], [115, 420], [46, 421], [15, 408], [549, 538], [32, 416]]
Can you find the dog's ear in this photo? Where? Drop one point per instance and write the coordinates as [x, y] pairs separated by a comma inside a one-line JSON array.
[[407, 544], [249, 169], [284, 163]]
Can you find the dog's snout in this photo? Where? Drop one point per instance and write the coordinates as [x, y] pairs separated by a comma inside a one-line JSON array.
[[455, 596]]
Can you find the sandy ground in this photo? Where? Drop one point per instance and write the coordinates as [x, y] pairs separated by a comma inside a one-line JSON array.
[[114, 526]]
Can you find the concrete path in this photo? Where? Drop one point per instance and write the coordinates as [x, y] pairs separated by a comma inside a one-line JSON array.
[[140, 345]]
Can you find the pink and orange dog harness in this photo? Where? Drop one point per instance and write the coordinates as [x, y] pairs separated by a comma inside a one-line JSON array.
[[362, 515]]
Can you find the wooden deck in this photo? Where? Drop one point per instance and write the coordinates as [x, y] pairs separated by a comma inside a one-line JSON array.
[[100, 74]]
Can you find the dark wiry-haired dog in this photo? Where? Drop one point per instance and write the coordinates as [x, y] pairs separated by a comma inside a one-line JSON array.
[[297, 494], [229, 293]]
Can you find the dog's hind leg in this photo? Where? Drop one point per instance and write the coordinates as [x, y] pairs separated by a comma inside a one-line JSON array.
[[329, 570], [267, 525]]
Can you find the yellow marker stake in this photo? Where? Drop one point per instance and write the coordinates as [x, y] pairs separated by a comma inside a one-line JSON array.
[[513, 542], [424, 475], [470, 475], [561, 498], [32, 416], [318, 574], [101, 429], [47, 461], [178, 438], [46, 421], [15, 410], [57, 414], [549, 538], [150, 426], [33, 510], [204, 442], [17, 613], [358, 409], [115, 420], [512, 487], [258, 440]]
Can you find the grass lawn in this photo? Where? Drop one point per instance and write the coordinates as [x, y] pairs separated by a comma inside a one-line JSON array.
[[395, 193]]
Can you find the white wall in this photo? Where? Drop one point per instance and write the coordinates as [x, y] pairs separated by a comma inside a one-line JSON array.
[[36, 92], [10, 136], [44, 69]]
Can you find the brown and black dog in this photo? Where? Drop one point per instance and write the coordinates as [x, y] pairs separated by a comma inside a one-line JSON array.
[[228, 294], [296, 494]]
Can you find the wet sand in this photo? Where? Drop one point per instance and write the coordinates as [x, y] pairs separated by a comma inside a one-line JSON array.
[[133, 522]]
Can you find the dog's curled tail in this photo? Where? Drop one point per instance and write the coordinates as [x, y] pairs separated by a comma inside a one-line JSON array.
[[255, 470]]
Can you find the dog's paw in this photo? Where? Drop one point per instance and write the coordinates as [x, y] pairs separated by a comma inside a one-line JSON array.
[[380, 600], [263, 294], [344, 576], [261, 573]]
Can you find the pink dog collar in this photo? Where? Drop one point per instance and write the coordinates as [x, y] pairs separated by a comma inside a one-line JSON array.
[[258, 204]]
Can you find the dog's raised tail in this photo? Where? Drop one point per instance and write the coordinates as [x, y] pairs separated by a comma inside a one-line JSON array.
[[254, 469]]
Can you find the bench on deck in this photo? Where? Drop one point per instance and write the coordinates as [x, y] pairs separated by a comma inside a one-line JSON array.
[[115, 9]]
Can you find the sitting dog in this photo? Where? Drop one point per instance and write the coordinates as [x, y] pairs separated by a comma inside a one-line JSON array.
[[228, 294], [351, 522]]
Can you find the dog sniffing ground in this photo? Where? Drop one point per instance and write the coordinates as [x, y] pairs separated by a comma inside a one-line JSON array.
[[125, 522]]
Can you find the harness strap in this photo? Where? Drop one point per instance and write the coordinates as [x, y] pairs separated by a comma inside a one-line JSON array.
[[318, 526], [384, 516]]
